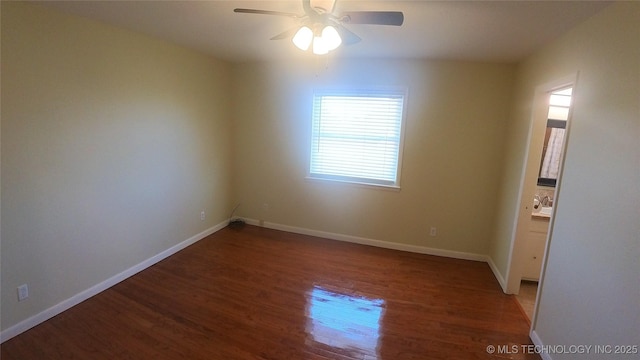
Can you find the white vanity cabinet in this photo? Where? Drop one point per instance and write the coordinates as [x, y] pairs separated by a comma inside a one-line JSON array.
[[536, 240]]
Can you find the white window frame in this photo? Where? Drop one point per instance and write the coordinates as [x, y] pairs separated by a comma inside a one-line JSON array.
[[380, 92]]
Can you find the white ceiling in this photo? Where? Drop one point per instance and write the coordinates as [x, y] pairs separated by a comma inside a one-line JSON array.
[[493, 31]]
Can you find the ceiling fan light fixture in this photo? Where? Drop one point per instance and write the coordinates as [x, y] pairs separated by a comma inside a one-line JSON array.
[[303, 38], [326, 41], [331, 38], [320, 46]]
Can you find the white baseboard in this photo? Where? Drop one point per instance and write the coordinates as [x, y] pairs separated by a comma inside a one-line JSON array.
[[497, 274], [387, 245], [94, 290], [536, 341], [371, 242]]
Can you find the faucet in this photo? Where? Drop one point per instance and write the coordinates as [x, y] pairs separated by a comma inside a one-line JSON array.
[[545, 201]]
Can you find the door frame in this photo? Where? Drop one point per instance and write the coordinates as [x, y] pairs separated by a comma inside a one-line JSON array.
[[528, 182]]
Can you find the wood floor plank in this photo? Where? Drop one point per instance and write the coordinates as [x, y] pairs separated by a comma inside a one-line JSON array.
[[254, 293]]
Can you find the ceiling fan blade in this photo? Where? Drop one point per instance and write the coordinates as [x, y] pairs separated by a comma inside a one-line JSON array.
[[306, 5], [267, 12], [323, 6], [347, 36], [287, 34], [395, 18]]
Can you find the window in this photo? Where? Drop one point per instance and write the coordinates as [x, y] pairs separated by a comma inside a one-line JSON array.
[[357, 136]]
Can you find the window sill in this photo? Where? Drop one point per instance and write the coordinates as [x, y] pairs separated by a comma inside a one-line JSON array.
[[354, 183]]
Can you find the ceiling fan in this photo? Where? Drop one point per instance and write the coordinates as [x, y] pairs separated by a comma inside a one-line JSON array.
[[322, 30]]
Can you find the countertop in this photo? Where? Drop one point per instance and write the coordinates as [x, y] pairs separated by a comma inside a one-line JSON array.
[[540, 216]]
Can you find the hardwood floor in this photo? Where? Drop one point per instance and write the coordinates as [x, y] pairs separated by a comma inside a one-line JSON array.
[[527, 297], [254, 293]]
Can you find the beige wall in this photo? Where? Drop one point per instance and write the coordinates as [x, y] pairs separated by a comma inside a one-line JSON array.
[[112, 144], [590, 289], [452, 151]]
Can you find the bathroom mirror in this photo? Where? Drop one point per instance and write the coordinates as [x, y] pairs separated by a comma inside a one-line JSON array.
[[559, 102]]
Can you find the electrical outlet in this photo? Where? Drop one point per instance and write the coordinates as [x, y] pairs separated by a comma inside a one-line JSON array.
[[202, 215], [433, 231], [23, 292]]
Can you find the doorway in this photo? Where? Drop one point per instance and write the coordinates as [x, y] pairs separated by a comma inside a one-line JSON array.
[[540, 182], [543, 201]]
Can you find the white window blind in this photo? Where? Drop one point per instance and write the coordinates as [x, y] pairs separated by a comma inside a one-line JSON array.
[[356, 136]]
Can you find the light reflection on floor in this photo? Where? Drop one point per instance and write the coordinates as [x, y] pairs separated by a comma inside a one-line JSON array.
[[349, 325]]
